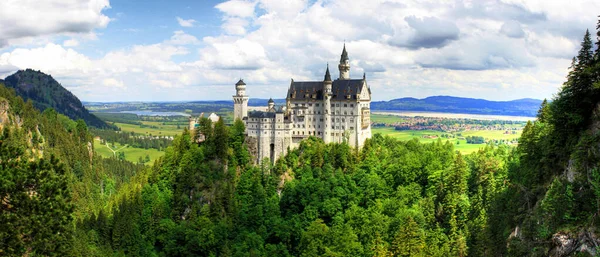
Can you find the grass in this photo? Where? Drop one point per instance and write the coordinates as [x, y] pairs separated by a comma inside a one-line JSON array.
[[132, 154], [387, 119], [160, 130], [462, 145]]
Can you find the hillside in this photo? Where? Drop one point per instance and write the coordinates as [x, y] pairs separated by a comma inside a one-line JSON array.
[[46, 92], [520, 107]]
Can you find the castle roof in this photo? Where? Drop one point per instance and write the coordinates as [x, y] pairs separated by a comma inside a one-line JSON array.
[[271, 100], [241, 82], [327, 75], [344, 54], [261, 114], [341, 89]]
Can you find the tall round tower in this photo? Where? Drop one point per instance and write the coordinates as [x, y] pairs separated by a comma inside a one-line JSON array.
[[344, 65], [240, 101], [327, 92]]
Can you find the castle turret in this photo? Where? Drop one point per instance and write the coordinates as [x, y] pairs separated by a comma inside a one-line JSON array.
[[240, 101], [271, 104], [344, 65], [327, 104]]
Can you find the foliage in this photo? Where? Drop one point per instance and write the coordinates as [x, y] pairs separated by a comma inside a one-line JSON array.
[[45, 92]]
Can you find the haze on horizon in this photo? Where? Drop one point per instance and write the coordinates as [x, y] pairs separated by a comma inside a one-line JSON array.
[[110, 51]]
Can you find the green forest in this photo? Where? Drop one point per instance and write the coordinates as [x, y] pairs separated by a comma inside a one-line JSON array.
[[389, 198]]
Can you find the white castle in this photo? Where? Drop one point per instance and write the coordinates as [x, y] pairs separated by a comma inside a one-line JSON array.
[[336, 111]]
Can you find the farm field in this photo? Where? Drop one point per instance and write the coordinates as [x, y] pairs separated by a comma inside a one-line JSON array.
[[160, 130], [459, 144], [385, 118], [132, 154]]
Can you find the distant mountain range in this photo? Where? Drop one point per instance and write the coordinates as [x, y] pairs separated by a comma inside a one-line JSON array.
[[447, 104], [451, 104], [45, 92]]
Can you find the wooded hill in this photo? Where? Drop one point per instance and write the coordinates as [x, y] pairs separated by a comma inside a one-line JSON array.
[[45, 92]]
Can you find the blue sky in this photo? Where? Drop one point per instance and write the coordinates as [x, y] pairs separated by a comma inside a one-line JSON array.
[[133, 50]]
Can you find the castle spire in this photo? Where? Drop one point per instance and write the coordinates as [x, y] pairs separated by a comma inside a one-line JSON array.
[[344, 65], [344, 54], [327, 75]]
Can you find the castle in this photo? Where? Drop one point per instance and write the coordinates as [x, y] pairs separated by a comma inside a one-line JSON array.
[[336, 111]]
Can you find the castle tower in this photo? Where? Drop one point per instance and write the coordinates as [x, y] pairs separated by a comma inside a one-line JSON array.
[[240, 101], [344, 65], [271, 104], [327, 104]]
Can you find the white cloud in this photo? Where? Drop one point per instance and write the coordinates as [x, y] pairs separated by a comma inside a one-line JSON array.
[[111, 82], [500, 49], [237, 8], [71, 42], [186, 23], [181, 38], [31, 18]]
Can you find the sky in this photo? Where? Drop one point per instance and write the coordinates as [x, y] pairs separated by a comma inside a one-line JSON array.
[[159, 50]]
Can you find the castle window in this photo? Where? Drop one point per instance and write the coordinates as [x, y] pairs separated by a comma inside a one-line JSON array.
[[337, 105], [345, 113], [351, 105], [309, 104], [317, 105], [345, 105], [351, 128]]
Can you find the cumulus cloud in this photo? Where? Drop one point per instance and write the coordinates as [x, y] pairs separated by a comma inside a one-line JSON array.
[[111, 82], [185, 23], [71, 42], [181, 38], [512, 29], [237, 8], [32, 18], [426, 32], [240, 54], [499, 49]]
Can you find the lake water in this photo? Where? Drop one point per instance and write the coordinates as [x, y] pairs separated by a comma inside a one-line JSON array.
[[454, 115], [151, 113]]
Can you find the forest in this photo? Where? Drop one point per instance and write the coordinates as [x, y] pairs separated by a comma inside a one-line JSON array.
[[389, 198]]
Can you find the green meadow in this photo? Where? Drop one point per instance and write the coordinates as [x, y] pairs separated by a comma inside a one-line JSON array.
[[385, 118], [157, 129], [459, 144], [132, 154]]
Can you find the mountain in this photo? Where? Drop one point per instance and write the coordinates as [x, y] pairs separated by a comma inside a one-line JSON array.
[[520, 107], [45, 92]]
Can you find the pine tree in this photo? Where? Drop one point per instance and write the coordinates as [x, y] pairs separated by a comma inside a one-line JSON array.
[[35, 201], [380, 248], [409, 240]]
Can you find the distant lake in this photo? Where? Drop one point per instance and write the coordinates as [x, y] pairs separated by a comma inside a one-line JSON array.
[[151, 113], [454, 115]]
